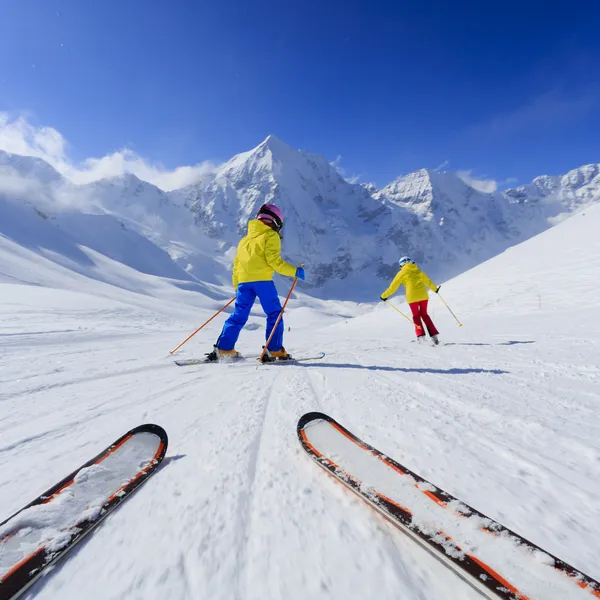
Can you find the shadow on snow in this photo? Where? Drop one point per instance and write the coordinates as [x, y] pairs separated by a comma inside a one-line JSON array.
[[510, 343], [403, 369]]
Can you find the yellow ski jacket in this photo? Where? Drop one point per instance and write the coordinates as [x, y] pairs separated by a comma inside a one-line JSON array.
[[259, 255], [415, 281]]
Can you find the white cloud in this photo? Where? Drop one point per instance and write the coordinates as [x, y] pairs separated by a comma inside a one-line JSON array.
[[482, 183], [487, 186], [19, 136], [551, 110], [337, 165], [442, 166]]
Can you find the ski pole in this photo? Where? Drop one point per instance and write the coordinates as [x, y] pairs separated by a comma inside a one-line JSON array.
[[278, 319], [459, 323], [201, 326], [407, 318]]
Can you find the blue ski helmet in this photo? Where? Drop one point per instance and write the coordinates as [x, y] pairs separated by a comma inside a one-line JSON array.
[[404, 260]]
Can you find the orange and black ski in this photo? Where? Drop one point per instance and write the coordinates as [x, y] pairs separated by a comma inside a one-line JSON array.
[[46, 529], [496, 561]]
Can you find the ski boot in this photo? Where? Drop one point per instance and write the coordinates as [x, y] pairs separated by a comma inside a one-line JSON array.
[[435, 340], [273, 355], [421, 339], [217, 353]]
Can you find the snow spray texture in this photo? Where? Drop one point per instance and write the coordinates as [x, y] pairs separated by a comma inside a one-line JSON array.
[[496, 561], [42, 532]]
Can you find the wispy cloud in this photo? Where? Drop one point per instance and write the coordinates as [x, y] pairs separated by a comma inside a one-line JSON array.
[[550, 109], [19, 136], [337, 165], [480, 184], [442, 166]]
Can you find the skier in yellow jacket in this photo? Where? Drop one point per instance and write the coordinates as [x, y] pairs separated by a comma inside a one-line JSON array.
[[258, 257], [416, 283]]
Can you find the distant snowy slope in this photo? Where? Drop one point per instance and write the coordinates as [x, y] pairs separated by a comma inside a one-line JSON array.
[[329, 222], [577, 189], [451, 226], [349, 236], [27, 166], [537, 281], [554, 271], [41, 216]]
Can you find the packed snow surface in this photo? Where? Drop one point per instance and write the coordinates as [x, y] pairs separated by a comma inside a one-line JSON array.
[[504, 416]]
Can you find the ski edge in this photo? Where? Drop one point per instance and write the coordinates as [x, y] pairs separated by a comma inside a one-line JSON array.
[[28, 572], [389, 511]]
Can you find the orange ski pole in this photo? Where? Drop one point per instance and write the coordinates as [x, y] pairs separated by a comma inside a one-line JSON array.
[[278, 319], [201, 326], [457, 319], [407, 318]]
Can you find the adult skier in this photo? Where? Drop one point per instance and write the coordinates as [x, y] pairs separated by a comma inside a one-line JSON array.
[[258, 257], [416, 283]]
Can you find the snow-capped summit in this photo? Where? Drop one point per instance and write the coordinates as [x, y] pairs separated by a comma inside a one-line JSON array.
[[28, 166], [349, 236], [430, 193], [340, 230], [414, 188], [328, 221], [577, 189]]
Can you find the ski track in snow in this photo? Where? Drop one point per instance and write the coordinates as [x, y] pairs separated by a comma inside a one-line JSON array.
[[503, 416]]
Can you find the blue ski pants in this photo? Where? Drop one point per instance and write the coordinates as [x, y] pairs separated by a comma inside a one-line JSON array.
[[245, 297]]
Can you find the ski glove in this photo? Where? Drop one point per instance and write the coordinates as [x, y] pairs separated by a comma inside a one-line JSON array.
[[300, 273], [383, 299]]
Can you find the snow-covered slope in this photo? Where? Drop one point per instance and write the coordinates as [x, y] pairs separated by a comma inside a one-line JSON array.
[[126, 221], [154, 214], [503, 416], [329, 222], [578, 188], [446, 225], [349, 236]]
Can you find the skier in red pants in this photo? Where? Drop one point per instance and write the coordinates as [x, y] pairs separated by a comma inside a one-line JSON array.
[[416, 283]]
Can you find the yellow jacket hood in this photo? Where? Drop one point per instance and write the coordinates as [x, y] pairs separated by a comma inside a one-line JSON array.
[[259, 255], [415, 281]]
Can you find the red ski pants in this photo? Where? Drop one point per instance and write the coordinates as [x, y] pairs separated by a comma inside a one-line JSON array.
[[419, 311]]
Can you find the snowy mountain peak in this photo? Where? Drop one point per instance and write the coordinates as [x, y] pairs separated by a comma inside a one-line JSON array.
[[429, 193], [275, 146], [349, 236], [268, 160], [576, 189], [28, 166], [413, 188]]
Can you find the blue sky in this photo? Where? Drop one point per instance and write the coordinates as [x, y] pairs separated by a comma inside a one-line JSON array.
[[506, 90]]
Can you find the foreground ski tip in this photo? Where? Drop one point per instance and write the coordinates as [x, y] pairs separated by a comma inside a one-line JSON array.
[[42, 532], [494, 560]]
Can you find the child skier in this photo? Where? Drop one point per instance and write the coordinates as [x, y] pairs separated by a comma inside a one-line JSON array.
[[258, 257], [416, 283]]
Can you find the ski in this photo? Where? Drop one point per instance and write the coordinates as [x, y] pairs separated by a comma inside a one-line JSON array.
[[244, 360], [292, 361], [476, 547], [41, 533]]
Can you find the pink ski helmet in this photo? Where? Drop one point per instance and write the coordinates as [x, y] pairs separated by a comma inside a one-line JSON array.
[[271, 215]]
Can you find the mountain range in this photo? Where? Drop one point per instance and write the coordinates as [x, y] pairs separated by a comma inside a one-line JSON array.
[[348, 235]]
